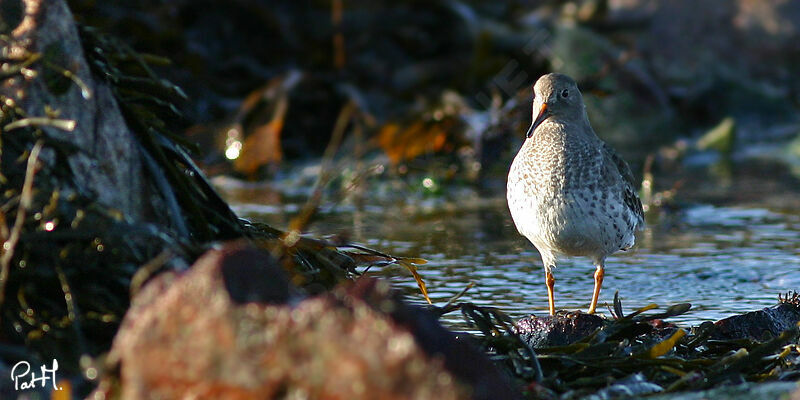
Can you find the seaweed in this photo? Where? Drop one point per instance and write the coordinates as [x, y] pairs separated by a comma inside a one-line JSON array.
[[638, 352], [67, 260], [70, 264], [148, 105]]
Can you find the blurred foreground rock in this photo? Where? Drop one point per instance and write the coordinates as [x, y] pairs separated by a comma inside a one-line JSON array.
[[232, 327]]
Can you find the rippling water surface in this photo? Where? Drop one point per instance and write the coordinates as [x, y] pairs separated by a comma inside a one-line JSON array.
[[724, 258]]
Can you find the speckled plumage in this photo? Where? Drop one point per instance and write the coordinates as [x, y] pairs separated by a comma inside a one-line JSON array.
[[569, 192]]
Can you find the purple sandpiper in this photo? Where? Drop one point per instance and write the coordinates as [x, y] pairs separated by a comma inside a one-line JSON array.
[[568, 191]]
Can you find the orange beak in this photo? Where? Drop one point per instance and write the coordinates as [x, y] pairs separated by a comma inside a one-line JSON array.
[[544, 113]]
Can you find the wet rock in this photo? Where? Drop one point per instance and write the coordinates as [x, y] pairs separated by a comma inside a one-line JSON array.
[[108, 162], [557, 330], [758, 325], [209, 333]]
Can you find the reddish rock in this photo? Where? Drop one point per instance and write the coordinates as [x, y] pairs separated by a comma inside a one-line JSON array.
[[185, 336], [460, 356]]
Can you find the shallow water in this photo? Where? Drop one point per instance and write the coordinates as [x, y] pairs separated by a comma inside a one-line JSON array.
[[731, 257]]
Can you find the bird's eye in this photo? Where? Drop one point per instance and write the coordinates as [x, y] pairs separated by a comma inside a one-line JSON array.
[[565, 93]]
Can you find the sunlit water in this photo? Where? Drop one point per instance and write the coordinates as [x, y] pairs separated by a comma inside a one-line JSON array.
[[724, 259]]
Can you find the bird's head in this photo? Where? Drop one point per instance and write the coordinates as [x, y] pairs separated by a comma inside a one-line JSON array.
[[556, 96]]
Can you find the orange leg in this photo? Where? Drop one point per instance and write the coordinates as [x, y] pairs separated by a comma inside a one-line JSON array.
[[598, 282], [550, 283]]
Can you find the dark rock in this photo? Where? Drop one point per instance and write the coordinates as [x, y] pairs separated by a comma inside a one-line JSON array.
[[184, 334], [252, 276], [758, 325], [109, 161], [557, 330]]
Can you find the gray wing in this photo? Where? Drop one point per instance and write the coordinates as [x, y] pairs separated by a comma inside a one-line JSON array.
[[630, 197]]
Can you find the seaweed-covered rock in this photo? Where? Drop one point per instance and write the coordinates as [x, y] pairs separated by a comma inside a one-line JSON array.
[[214, 332], [94, 184], [640, 354], [83, 110], [758, 325], [557, 330]]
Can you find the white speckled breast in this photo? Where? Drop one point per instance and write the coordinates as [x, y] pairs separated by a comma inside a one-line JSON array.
[[566, 196]]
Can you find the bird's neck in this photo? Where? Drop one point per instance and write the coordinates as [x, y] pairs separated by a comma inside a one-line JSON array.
[[561, 130]]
